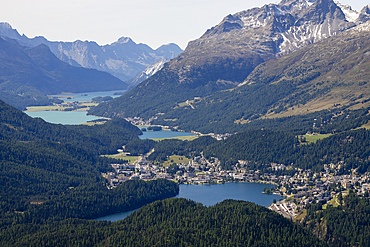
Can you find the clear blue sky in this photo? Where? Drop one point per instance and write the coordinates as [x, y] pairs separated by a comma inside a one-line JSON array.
[[153, 22]]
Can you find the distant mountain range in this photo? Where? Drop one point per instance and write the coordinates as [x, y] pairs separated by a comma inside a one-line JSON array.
[[231, 74], [29, 74], [31, 68], [124, 58]]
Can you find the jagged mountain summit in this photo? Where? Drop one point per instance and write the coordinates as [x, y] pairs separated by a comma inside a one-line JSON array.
[[226, 54], [286, 26], [123, 58], [364, 14]]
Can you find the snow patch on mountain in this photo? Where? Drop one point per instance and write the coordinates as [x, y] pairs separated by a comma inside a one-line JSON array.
[[152, 69], [148, 72], [351, 15], [309, 3]]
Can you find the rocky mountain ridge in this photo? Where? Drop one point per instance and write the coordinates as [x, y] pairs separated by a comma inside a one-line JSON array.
[[123, 58], [226, 54], [289, 25]]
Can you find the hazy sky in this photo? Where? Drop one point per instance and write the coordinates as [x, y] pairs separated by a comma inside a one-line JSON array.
[[153, 22]]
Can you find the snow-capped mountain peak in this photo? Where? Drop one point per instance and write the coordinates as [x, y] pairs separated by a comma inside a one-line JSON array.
[[351, 15], [290, 24], [5, 25]]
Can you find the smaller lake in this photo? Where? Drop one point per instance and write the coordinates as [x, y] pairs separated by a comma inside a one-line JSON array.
[[163, 134], [209, 195], [62, 117], [88, 96], [73, 117]]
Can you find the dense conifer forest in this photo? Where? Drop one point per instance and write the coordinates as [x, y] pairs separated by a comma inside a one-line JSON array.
[[172, 222]]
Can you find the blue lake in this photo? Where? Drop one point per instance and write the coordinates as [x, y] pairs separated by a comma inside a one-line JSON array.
[[76, 117], [62, 117], [209, 195], [89, 95]]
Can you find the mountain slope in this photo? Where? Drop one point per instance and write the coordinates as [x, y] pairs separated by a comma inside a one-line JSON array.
[[27, 75], [123, 58], [317, 77], [322, 74], [227, 53]]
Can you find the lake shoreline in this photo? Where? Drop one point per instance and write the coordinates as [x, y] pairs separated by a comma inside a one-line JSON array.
[[209, 195]]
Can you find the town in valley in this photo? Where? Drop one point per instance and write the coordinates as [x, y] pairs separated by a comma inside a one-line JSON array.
[[297, 191]]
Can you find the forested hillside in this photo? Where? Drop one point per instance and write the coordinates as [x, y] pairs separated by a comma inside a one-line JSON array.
[[53, 172], [97, 139], [263, 147], [51, 179], [174, 222], [345, 225]]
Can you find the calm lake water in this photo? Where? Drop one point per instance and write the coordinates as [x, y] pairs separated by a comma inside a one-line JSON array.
[[89, 95], [76, 117], [62, 117], [209, 195]]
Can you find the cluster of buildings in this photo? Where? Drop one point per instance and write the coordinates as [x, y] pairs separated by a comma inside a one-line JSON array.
[[197, 171], [299, 190], [287, 209], [137, 121], [306, 187]]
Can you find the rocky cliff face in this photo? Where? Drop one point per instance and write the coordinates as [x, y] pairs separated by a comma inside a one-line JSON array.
[[123, 58]]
